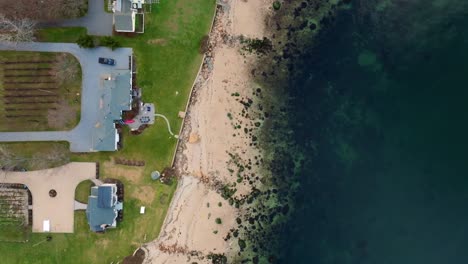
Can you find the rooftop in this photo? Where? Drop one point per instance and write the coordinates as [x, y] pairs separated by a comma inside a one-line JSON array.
[[115, 97], [124, 22], [102, 207]]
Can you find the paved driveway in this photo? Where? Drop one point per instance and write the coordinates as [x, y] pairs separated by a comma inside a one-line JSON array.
[[97, 21], [59, 210], [82, 137]]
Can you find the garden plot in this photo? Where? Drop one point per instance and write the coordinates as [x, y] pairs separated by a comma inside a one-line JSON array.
[[39, 91], [14, 219]]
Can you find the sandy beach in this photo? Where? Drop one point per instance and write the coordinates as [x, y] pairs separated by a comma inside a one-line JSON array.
[[214, 141]]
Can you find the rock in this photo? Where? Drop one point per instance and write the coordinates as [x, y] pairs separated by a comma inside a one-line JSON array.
[[193, 138], [181, 114]]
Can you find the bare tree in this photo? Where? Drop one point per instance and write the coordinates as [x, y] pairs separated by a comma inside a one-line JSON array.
[[43, 10], [21, 30], [51, 157], [61, 116], [66, 69]]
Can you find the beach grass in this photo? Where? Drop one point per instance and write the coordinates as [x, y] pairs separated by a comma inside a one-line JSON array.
[[167, 61]]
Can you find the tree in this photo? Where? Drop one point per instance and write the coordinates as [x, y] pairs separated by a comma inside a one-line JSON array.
[[109, 42], [85, 41], [66, 69], [43, 10], [62, 115], [20, 30], [204, 44]]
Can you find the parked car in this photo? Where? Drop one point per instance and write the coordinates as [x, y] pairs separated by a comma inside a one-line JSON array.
[[107, 61]]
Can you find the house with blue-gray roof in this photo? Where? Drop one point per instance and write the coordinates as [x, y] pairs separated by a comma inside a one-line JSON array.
[[103, 207]]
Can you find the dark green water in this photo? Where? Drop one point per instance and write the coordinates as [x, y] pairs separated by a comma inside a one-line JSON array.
[[380, 111]]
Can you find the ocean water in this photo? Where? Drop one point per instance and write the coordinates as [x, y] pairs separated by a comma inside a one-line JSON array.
[[378, 112]]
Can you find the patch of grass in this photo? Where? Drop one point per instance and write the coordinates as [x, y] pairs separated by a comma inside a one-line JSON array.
[[83, 190], [34, 155], [165, 74], [139, 23], [106, 6], [69, 34]]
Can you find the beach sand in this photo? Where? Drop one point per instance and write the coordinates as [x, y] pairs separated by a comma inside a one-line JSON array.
[[190, 231]]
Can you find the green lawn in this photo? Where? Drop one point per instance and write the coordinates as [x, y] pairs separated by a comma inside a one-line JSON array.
[[83, 190], [70, 34], [167, 61]]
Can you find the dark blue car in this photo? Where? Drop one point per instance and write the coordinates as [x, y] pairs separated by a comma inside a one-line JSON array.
[[107, 61]]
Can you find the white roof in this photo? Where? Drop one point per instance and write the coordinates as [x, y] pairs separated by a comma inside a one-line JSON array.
[[142, 210]]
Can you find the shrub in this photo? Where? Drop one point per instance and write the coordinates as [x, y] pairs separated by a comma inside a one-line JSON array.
[[85, 41], [276, 5], [204, 44], [109, 42], [218, 221], [259, 46], [242, 244], [217, 258]]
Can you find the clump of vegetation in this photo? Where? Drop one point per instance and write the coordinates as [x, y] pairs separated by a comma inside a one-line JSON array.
[[215, 232], [242, 244], [208, 205], [220, 204], [227, 192], [217, 258], [168, 174], [276, 5], [218, 221], [204, 44], [85, 41], [229, 115], [109, 42], [259, 46], [235, 94]]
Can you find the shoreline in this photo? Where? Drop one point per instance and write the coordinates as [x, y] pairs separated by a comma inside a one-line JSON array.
[[206, 157]]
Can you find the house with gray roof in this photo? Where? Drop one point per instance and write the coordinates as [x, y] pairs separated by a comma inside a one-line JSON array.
[[115, 94], [129, 15], [103, 207]]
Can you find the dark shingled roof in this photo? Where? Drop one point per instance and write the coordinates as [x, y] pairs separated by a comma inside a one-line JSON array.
[[102, 207], [104, 197]]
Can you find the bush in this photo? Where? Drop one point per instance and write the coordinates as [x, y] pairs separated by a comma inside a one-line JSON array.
[[259, 46], [217, 258], [276, 5], [204, 44], [218, 221], [109, 42], [85, 41], [242, 244]]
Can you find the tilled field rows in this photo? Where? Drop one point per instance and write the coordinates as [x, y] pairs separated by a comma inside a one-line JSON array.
[[13, 207], [29, 90]]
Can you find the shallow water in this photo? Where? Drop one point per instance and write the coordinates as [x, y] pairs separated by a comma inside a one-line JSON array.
[[380, 111]]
